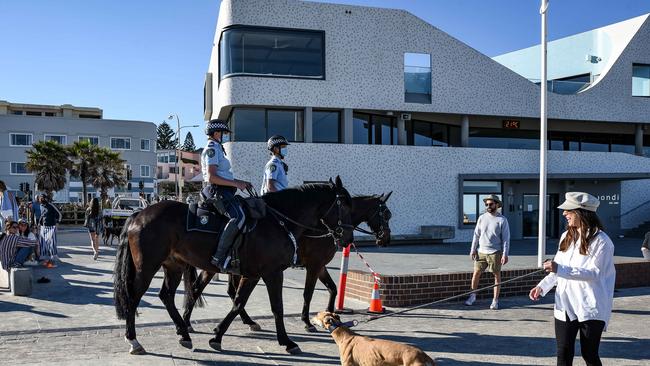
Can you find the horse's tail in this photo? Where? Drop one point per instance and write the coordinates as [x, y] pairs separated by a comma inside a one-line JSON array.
[[190, 276], [123, 273]]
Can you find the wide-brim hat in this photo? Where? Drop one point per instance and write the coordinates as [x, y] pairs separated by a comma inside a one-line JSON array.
[[576, 200], [494, 198]]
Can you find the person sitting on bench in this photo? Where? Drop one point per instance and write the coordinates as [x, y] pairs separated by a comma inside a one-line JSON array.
[[14, 249]]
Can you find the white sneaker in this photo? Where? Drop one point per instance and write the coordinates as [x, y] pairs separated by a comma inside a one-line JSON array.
[[30, 263], [494, 305], [470, 299]]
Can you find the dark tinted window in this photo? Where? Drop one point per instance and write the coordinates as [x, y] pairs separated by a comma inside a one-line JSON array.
[[326, 126], [360, 128], [286, 123], [249, 124], [274, 52]]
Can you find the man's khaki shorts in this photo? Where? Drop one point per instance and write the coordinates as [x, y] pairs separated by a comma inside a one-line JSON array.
[[491, 262]]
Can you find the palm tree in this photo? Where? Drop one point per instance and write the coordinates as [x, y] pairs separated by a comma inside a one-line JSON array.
[[48, 160], [108, 171], [83, 159]]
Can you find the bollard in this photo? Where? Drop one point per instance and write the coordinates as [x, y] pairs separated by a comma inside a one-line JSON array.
[[21, 281], [342, 280]]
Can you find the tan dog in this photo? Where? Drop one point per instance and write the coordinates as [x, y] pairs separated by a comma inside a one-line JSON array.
[[359, 350]]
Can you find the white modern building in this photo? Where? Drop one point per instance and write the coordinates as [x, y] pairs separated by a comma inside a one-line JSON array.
[[392, 103], [23, 124]]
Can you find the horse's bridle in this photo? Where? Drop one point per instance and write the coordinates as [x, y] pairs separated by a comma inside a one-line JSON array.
[[336, 233], [384, 217]]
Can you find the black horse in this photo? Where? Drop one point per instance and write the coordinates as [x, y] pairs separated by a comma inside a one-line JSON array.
[[156, 237], [314, 254]]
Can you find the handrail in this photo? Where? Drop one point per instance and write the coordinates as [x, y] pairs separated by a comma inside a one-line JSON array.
[[634, 209]]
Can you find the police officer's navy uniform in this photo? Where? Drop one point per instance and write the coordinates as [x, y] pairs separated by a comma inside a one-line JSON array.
[[275, 169], [214, 154]]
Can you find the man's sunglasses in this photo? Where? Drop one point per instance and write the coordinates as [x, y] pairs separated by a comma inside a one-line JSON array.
[[490, 204]]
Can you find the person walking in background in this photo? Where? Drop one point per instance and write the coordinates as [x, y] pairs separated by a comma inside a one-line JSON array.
[[490, 247], [50, 216], [8, 204], [584, 275], [93, 223], [645, 247]]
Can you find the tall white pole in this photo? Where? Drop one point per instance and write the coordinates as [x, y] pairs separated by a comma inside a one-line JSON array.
[[178, 141], [541, 230]]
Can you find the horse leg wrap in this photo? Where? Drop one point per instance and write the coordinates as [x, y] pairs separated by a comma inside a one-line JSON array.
[[136, 347]]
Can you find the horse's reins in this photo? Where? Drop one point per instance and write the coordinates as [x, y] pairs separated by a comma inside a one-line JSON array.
[[381, 211]]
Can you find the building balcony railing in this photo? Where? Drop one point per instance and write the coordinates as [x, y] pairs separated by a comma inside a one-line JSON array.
[[563, 86]]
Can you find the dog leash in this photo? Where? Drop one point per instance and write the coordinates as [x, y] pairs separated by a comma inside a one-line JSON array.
[[375, 317]]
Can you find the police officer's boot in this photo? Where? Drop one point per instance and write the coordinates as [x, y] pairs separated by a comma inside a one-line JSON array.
[[225, 243]]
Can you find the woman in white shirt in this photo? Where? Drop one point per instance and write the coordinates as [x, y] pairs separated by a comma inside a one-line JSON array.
[[583, 271]]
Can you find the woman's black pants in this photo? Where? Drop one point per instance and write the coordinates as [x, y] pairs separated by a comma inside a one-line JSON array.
[[565, 335]]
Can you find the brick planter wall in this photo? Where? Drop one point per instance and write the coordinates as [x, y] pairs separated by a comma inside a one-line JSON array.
[[407, 290]]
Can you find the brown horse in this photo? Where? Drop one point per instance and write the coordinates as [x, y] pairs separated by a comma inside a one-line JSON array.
[[314, 254], [156, 237]]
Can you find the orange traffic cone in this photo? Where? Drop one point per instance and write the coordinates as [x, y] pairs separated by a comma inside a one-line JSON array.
[[375, 301]]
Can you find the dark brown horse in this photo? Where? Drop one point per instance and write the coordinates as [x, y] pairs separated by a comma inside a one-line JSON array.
[[156, 237], [314, 254]]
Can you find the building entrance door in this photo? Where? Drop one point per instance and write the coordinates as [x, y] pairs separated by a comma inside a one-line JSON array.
[[530, 217]]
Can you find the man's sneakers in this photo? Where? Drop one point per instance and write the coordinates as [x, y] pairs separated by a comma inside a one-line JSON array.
[[472, 297], [470, 300]]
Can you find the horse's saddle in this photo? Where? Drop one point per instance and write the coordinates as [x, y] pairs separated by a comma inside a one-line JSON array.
[[204, 217]]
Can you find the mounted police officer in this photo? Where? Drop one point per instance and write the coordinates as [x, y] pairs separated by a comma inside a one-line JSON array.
[[275, 171], [220, 187]]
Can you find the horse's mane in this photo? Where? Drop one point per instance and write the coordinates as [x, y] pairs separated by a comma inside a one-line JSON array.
[[298, 195]]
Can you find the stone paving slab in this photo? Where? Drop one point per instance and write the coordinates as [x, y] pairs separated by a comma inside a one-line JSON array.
[[71, 321]]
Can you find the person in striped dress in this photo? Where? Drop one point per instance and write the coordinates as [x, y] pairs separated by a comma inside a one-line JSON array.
[[50, 216], [14, 249]]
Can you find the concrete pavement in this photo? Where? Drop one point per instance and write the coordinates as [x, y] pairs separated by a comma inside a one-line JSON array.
[[71, 321]]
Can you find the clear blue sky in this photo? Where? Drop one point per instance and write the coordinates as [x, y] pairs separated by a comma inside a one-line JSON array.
[[145, 59]]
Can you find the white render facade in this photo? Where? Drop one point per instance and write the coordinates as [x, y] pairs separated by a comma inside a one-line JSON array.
[[480, 118], [21, 125]]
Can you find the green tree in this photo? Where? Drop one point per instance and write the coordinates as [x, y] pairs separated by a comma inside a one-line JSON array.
[[108, 171], [188, 145], [83, 159], [166, 139], [48, 160]]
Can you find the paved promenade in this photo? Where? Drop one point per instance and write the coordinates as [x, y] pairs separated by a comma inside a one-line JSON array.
[[71, 321]]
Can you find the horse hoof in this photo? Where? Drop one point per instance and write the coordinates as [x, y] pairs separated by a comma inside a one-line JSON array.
[[190, 329], [254, 327], [215, 345], [187, 344], [294, 350], [139, 350], [310, 328]]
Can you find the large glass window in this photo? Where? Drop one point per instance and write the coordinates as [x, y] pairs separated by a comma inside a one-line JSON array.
[[374, 129], [93, 140], [640, 80], [20, 139], [59, 139], [326, 126], [272, 52], [417, 78], [257, 124], [121, 143], [423, 133], [495, 138], [473, 194], [19, 168], [286, 123]]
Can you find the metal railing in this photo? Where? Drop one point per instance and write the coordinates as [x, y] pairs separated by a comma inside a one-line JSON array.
[[634, 209], [563, 86]]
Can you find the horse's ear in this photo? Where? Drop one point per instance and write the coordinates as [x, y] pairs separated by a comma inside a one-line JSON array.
[[387, 196], [338, 182], [331, 182]]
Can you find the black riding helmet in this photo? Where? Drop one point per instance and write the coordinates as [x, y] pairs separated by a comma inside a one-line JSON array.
[[276, 140], [216, 125]]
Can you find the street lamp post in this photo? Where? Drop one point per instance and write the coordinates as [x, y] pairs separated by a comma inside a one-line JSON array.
[[541, 229], [178, 154]]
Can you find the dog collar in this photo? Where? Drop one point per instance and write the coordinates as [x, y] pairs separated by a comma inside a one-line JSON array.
[[349, 324]]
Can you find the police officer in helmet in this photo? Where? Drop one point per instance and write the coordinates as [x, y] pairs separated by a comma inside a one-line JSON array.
[[275, 171], [220, 184]]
